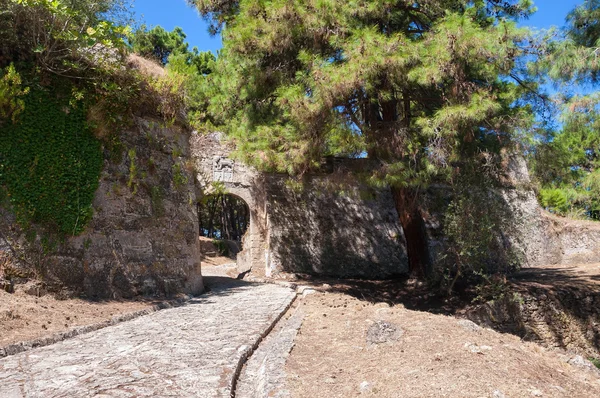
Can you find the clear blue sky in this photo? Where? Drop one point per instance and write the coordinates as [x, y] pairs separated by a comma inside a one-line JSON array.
[[172, 13], [550, 13]]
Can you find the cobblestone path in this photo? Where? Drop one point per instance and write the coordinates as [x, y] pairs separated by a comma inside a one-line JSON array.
[[190, 351]]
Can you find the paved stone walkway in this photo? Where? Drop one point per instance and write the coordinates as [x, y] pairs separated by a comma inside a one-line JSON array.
[[190, 351]]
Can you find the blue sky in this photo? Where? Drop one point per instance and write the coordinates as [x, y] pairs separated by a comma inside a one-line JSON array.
[[172, 13]]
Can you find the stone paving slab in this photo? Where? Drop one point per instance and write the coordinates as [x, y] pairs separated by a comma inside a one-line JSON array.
[[190, 351], [264, 374]]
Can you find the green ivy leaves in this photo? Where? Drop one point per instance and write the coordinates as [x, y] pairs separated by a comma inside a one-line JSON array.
[[50, 164]]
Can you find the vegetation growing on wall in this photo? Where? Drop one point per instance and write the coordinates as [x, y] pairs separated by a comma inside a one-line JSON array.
[[50, 163], [65, 94], [11, 94]]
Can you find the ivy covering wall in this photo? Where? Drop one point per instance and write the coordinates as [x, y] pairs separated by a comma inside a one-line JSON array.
[[50, 164]]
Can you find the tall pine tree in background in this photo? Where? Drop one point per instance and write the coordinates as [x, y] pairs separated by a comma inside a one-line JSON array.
[[421, 86]]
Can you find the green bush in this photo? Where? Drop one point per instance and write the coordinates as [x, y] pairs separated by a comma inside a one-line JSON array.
[[221, 246], [555, 200]]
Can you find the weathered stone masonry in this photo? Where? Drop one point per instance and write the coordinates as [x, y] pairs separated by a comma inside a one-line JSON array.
[[329, 225], [143, 238]]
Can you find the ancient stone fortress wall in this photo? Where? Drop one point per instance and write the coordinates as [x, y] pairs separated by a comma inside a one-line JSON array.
[[543, 237], [333, 225], [325, 224], [214, 166], [538, 236], [143, 238]]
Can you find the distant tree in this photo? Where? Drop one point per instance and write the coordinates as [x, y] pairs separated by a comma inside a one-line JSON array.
[[158, 44], [567, 160], [422, 86]]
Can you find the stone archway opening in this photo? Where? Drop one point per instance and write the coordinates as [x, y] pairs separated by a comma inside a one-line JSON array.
[[223, 220]]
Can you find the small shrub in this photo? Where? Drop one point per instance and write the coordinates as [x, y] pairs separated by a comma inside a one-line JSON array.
[[555, 200], [222, 247], [131, 183], [179, 177], [11, 93]]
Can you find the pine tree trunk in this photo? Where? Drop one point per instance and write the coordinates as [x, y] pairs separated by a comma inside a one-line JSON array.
[[414, 230]]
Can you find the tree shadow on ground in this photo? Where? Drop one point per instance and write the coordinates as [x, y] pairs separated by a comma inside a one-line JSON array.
[[217, 286], [412, 294], [584, 277], [557, 306]]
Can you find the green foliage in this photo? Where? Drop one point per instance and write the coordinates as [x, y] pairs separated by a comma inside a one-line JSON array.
[[50, 164], [221, 246], [157, 43], [11, 93], [565, 161], [555, 199], [583, 24], [61, 37], [296, 81], [162, 46], [133, 170], [477, 227], [179, 177], [595, 361], [491, 288]]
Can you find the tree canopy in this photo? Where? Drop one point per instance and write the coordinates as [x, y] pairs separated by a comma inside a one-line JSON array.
[[422, 87], [566, 160]]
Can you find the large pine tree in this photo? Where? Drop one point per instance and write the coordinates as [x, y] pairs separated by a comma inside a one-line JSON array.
[[420, 86]]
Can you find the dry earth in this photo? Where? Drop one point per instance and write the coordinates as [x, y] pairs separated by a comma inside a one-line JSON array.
[[428, 355], [24, 317]]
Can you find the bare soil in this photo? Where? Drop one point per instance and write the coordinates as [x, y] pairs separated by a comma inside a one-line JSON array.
[[435, 356], [24, 317], [583, 276], [214, 264]]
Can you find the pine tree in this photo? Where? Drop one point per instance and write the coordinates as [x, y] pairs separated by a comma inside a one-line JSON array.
[[421, 86], [567, 160]]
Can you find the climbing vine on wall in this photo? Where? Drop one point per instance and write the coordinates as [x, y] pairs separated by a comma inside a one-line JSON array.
[[50, 164]]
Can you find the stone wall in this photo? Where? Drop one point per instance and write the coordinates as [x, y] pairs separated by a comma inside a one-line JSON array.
[[239, 180], [333, 225], [541, 236], [558, 312], [143, 238], [327, 224], [535, 236]]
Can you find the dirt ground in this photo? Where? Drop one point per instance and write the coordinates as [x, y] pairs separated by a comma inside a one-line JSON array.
[[429, 355], [24, 317], [584, 276]]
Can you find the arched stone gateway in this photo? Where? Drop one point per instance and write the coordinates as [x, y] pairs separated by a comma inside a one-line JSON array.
[[331, 225], [215, 169]]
